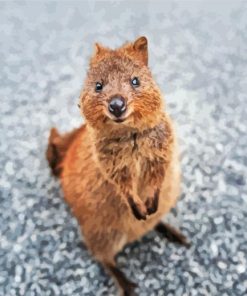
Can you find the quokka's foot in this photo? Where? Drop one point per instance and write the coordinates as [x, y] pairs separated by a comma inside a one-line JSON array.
[[127, 287], [152, 203], [130, 289], [172, 234]]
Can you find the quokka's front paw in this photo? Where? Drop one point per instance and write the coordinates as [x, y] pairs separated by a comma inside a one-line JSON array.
[[152, 203], [138, 208]]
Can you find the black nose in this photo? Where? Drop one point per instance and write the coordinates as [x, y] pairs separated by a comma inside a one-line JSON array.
[[117, 106]]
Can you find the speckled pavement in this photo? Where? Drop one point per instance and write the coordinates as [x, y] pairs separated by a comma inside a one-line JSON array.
[[198, 54]]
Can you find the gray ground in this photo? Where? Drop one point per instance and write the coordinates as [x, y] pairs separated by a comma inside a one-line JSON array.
[[198, 54]]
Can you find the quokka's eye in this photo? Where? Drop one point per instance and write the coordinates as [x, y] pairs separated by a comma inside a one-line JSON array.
[[135, 82], [98, 86]]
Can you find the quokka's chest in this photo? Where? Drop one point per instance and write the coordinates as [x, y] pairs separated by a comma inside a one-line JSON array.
[[134, 155], [136, 147]]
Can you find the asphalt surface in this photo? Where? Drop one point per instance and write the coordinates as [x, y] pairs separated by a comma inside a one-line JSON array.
[[198, 55]]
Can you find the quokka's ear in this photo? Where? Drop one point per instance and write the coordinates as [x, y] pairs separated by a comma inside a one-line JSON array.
[[99, 49], [140, 46]]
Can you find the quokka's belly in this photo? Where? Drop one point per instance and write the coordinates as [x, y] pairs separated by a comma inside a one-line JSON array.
[[105, 217]]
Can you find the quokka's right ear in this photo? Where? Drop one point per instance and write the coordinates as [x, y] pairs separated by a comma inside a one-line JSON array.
[[99, 49], [99, 52], [140, 45]]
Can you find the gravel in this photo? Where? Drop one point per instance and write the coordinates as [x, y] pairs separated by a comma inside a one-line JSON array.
[[198, 56]]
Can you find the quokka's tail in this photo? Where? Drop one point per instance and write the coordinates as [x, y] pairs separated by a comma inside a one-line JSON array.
[[57, 148]]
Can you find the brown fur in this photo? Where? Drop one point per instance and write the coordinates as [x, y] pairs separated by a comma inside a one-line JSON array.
[[118, 178]]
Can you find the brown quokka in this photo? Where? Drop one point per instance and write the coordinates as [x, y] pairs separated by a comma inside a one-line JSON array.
[[119, 171]]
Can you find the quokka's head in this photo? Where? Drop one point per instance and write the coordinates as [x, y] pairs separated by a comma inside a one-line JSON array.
[[119, 90]]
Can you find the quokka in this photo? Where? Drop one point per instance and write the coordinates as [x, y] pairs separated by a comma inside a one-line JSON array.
[[119, 171]]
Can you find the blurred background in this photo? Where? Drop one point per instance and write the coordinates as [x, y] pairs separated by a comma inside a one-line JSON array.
[[198, 55]]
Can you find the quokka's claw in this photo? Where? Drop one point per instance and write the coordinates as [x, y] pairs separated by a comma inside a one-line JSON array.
[[152, 203], [138, 210]]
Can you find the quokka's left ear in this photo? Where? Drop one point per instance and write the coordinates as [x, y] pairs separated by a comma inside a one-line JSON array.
[[140, 46]]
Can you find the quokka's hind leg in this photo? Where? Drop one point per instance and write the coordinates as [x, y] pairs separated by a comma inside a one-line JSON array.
[[126, 287], [172, 234], [57, 148]]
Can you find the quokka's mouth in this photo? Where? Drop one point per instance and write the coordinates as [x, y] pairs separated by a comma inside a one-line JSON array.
[[119, 120], [114, 119]]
